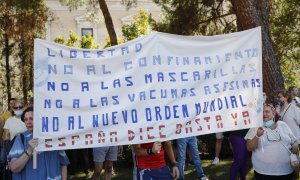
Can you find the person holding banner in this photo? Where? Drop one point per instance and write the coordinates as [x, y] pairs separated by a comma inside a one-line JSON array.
[[270, 147], [50, 164], [150, 161]]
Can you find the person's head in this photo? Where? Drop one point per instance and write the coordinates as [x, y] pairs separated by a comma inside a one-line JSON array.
[[11, 103], [268, 115], [284, 96], [18, 108], [293, 90], [269, 112], [27, 118]]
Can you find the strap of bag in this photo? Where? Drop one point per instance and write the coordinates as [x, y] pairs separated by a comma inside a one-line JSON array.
[[285, 111]]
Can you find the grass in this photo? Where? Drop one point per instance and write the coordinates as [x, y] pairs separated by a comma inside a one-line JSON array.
[[213, 172]]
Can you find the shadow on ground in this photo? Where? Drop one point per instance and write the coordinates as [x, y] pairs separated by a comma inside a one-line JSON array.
[[213, 172]]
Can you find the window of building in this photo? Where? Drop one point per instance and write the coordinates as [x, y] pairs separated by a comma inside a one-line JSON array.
[[86, 31]]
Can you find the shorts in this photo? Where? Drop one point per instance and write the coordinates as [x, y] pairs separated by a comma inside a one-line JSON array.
[[109, 153], [151, 174], [219, 135]]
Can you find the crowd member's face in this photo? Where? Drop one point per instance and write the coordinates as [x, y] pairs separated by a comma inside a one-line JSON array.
[[281, 98], [18, 107], [12, 104], [268, 113], [28, 119], [295, 91]]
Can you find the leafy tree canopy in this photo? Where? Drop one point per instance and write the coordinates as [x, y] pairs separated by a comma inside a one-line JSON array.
[[140, 26], [198, 17], [285, 30], [87, 42]]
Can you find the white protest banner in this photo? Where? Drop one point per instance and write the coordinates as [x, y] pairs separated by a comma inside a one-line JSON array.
[[154, 88]]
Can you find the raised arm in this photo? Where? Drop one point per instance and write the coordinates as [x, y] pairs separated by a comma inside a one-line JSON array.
[[139, 151], [252, 143], [17, 164]]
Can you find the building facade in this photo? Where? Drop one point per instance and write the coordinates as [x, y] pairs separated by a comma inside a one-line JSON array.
[[62, 20]]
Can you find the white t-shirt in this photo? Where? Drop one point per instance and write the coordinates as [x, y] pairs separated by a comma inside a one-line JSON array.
[[292, 119], [296, 100], [270, 157], [15, 126]]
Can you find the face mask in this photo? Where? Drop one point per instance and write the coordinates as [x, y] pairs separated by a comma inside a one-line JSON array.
[[18, 112], [268, 123], [280, 103]]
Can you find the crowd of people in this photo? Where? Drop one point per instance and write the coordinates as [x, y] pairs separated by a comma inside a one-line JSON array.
[[270, 145]]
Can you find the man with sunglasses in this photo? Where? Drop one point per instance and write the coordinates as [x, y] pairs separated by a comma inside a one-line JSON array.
[[270, 158], [14, 125]]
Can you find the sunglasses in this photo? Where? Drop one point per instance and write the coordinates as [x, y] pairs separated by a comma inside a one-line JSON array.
[[18, 107], [274, 136]]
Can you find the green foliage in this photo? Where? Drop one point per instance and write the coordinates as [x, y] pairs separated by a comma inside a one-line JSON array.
[[20, 23], [87, 42], [129, 3], [140, 26], [73, 4], [93, 12], [73, 39], [60, 40], [108, 44], [285, 30], [199, 17]]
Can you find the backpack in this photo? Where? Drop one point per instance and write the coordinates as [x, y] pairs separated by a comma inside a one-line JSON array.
[[5, 172]]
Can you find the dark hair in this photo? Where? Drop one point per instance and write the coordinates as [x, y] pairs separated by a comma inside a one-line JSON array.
[[269, 105], [286, 94], [276, 116], [29, 109], [11, 99], [31, 100], [291, 88]]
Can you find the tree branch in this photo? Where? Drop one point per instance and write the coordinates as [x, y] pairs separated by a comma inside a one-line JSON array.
[[213, 18]]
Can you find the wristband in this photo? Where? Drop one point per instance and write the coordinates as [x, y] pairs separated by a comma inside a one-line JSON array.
[[149, 151], [29, 155], [174, 164]]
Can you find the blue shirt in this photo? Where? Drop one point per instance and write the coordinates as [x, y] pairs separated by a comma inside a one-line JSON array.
[[48, 163]]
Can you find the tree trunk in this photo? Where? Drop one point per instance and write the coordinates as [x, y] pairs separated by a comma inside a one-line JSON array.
[[7, 70], [31, 68], [254, 13], [23, 78], [108, 22]]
